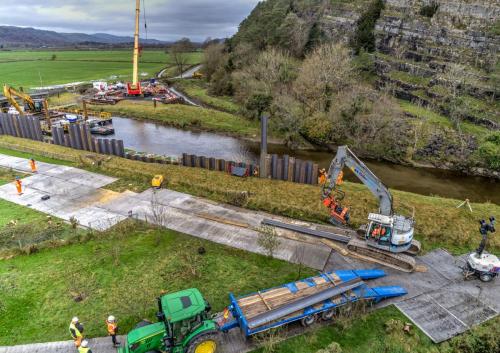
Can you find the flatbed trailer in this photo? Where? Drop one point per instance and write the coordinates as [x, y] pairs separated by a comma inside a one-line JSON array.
[[305, 300]]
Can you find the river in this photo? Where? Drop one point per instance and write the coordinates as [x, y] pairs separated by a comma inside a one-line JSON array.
[[159, 139]]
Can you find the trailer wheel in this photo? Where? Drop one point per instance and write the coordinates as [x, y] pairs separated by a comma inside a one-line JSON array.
[[485, 277], [328, 315], [205, 343], [308, 320]]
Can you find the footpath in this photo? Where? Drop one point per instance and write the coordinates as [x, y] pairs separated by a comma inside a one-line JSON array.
[[439, 301]]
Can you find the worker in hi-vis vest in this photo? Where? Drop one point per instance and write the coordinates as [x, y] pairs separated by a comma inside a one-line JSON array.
[[33, 166], [19, 186], [84, 347], [112, 327], [76, 331]]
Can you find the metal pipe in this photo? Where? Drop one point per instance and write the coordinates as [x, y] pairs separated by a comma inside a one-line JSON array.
[[303, 303], [308, 231]]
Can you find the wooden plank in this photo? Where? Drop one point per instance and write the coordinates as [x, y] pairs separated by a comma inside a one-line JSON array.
[[264, 301]]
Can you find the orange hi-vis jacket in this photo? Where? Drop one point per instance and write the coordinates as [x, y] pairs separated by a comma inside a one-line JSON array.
[[112, 326], [33, 165]]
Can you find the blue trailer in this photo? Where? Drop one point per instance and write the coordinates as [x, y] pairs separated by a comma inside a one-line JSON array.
[[306, 300]]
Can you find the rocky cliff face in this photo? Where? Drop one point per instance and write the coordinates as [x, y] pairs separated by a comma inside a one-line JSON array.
[[451, 51]]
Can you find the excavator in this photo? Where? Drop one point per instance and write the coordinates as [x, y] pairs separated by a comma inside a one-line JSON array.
[[387, 238], [31, 106]]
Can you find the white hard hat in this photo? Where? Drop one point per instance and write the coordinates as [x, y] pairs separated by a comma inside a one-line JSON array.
[[84, 344], [111, 318], [74, 320]]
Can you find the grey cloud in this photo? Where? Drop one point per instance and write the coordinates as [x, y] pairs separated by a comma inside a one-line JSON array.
[[167, 19]]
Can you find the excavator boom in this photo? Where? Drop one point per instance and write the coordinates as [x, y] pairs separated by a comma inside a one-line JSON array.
[[346, 158], [10, 93]]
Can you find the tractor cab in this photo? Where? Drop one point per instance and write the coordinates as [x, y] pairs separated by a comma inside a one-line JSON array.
[[184, 326], [391, 233], [188, 324]]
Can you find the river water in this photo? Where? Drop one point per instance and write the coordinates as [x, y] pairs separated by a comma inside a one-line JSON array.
[[155, 138]]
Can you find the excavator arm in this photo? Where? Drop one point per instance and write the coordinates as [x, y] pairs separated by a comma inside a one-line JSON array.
[[10, 93], [346, 158]]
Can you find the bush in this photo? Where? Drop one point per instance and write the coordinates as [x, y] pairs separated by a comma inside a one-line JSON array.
[[429, 10], [489, 150], [333, 347]]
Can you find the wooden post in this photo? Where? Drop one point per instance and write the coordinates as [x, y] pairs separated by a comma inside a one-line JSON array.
[[263, 146]]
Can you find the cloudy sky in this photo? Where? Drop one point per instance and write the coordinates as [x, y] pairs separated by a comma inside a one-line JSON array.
[[167, 19]]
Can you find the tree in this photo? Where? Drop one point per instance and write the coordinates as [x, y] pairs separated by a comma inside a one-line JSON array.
[[214, 57], [180, 53], [324, 72], [268, 240]]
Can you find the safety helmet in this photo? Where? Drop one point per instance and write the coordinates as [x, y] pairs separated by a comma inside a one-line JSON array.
[[17, 178], [84, 344], [111, 318], [74, 320]]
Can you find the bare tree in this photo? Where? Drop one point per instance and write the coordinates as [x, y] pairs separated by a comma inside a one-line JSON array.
[[326, 71], [214, 58], [268, 240], [180, 53]]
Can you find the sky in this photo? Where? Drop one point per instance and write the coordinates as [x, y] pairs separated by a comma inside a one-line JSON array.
[[166, 19]]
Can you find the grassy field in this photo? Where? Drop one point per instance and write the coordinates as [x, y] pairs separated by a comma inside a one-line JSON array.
[[184, 116], [438, 222], [121, 273], [37, 68], [198, 89]]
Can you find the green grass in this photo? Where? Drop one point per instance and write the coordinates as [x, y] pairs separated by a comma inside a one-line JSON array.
[[121, 274], [24, 68], [382, 332], [198, 89], [438, 222], [407, 78], [436, 119], [184, 116]]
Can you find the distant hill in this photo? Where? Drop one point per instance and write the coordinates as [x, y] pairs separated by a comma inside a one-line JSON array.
[[11, 36]]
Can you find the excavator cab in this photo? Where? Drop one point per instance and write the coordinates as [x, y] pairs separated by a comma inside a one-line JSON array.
[[390, 233]]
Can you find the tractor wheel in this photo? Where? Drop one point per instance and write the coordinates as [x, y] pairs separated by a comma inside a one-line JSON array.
[[485, 277], [308, 320], [205, 343], [328, 315]]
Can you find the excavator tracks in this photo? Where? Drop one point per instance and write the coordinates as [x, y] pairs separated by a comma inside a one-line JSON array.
[[399, 262], [414, 248]]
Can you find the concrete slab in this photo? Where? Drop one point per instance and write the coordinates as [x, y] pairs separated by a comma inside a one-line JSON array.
[[434, 320]]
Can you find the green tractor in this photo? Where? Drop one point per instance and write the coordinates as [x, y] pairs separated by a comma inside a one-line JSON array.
[[185, 326]]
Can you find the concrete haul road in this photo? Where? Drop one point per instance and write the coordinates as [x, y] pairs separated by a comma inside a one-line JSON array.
[[438, 301]]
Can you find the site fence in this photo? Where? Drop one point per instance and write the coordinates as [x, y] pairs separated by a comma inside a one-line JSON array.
[[78, 136], [21, 126], [277, 167]]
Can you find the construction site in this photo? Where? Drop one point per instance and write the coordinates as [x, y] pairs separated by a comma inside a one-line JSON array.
[[177, 238]]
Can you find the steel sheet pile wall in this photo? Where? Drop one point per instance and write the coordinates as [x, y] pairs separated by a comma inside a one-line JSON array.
[[21, 126], [79, 137], [280, 168]]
